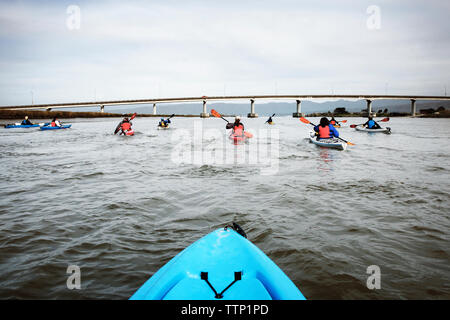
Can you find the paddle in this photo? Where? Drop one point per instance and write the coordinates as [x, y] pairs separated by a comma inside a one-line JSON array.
[[309, 122], [218, 115], [118, 126], [355, 125], [270, 118]]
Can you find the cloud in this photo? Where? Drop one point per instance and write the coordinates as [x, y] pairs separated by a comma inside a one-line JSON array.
[[140, 49]]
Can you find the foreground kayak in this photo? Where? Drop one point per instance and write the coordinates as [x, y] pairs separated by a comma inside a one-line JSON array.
[[221, 265], [56, 128], [383, 130], [11, 126], [327, 143]]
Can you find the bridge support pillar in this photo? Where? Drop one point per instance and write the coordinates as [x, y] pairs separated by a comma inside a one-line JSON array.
[[413, 107], [154, 109], [299, 113], [369, 108], [252, 113], [204, 114], [102, 109]]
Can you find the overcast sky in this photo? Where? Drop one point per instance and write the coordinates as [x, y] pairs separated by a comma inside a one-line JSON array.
[[150, 49]]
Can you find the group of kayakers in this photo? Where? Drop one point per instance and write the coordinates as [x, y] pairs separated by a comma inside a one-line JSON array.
[[55, 122], [327, 128], [125, 126]]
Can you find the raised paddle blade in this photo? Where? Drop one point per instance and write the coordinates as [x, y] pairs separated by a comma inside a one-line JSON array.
[[344, 121], [133, 116], [172, 116], [215, 113], [305, 120], [384, 120]]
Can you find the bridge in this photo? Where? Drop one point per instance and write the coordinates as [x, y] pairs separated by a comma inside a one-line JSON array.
[[252, 99]]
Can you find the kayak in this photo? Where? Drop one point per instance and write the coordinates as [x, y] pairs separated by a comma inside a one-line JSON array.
[[384, 130], [56, 128], [238, 139], [163, 128], [11, 126], [327, 143], [129, 133], [271, 123], [221, 265]]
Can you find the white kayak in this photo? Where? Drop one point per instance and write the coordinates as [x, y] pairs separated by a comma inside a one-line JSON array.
[[327, 143], [384, 130]]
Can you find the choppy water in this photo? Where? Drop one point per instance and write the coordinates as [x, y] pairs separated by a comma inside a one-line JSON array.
[[121, 207]]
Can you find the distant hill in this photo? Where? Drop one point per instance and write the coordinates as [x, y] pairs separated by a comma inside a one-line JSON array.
[[266, 109]]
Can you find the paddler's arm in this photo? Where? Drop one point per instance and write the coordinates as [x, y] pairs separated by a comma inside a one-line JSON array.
[[333, 131], [229, 126]]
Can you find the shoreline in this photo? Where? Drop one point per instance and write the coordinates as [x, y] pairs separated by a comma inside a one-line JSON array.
[[18, 115]]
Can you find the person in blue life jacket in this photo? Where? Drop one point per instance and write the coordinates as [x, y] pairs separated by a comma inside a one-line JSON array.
[[164, 123], [26, 122], [325, 130], [371, 124]]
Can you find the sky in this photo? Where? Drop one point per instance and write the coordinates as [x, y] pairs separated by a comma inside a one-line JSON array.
[[114, 50]]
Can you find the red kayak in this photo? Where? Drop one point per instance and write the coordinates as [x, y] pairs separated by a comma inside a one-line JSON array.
[[129, 133], [238, 139]]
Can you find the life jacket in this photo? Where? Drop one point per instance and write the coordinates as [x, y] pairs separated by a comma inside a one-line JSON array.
[[324, 133], [126, 126], [333, 122], [238, 130], [371, 124], [53, 124]]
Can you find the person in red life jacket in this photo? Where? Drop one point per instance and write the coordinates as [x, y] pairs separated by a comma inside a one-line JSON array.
[[125, 126], [55, 123], [325, 130], [237, 126]]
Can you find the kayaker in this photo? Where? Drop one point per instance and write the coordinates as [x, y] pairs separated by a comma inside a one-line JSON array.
[[55, 123], [26, 122], [371, 124], [125, 125], [334, 122], [164, 123], [325, 130], [269, 121], [237, 126]]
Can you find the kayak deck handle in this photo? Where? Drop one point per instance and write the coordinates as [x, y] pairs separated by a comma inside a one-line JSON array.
[[204, 276]]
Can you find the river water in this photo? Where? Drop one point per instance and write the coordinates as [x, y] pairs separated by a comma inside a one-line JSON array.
[[119, 208]]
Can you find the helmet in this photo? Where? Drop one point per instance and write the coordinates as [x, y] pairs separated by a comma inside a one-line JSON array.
[[237, 118]]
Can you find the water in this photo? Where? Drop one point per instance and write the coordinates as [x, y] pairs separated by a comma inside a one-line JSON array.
[[121, 207]]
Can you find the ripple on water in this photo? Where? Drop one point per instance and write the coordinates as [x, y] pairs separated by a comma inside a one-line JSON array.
[[120, 208]]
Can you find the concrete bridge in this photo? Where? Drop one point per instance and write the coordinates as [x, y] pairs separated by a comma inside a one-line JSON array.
[[252, 99]]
